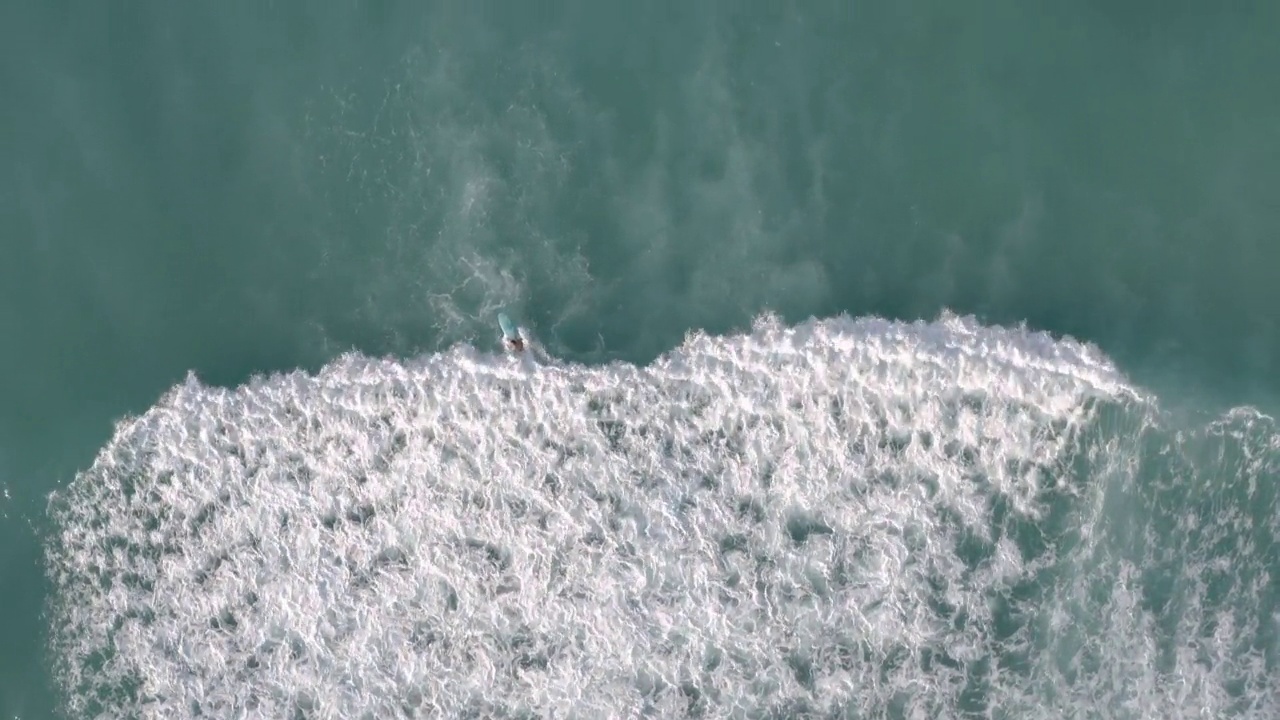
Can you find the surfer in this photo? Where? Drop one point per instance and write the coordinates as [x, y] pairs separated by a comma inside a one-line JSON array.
[[510, 334]]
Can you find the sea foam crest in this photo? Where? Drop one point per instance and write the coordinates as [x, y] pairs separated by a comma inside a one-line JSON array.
[[831, 519]]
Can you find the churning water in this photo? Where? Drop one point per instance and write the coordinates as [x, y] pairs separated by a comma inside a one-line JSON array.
[[845, 518]]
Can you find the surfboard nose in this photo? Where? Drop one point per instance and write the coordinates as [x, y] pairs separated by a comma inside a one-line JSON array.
[[508, 327]]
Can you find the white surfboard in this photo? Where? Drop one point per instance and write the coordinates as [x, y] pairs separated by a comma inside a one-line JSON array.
[[512, 339]]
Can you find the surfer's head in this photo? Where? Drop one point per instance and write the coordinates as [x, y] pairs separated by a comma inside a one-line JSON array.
[[516, 344]]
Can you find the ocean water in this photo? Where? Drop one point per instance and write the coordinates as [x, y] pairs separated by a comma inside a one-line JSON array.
[[896, 360]]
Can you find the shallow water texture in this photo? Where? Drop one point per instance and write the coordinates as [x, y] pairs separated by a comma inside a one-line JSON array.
[[842, 519]]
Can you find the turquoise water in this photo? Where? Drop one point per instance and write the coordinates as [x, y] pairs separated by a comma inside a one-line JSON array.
[[890, 510]]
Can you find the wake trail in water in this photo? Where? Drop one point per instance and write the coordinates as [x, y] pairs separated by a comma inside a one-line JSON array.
[[845, 518]]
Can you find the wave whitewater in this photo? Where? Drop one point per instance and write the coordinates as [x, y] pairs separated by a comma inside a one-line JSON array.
[[845, 518]]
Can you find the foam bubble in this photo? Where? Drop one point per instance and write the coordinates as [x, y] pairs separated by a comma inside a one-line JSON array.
[[852, 518]]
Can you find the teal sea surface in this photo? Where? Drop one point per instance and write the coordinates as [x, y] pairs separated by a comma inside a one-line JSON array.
[[901, 359]]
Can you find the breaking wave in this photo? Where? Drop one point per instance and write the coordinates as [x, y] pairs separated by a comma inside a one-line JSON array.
[[845, 518]]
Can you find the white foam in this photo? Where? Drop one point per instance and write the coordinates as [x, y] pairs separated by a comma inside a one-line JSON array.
[[818, 517]]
